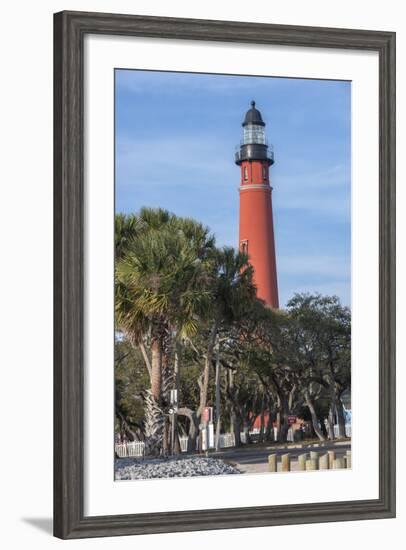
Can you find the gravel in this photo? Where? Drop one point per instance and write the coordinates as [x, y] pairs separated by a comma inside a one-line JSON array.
[[133, 468]]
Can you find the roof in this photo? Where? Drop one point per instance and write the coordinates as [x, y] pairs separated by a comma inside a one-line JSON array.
[[253, 116]]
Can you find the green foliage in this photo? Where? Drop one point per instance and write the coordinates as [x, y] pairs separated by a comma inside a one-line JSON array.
[[131, 379], [321, 335], [163, 279], [175, 287]]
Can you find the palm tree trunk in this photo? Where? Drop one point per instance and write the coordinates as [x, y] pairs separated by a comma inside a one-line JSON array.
[[156, 369]]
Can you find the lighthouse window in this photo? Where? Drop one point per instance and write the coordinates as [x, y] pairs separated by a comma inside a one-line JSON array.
[[264, 172], [254, 134], [244, 247], [245, 173]]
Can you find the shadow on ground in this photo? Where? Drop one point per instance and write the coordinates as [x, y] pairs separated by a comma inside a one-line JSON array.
[[43, 524]]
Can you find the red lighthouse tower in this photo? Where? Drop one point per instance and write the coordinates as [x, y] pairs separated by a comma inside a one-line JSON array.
[[256, 219]]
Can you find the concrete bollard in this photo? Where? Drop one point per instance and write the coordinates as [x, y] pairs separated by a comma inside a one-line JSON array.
[[314, 455], [323, 462], [312, 464], [302, 461], [348, 459], [331, 458], [272, 463], [339, 463], [285, 463]]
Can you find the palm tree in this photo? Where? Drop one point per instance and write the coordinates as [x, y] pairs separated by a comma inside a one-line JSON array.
[[162, 290], [233, 294], [126, 229]]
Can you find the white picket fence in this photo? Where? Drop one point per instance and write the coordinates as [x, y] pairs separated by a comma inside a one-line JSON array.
[[131, 448], [137, 448]]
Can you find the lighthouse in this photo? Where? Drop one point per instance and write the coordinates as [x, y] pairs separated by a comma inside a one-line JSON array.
[[256, 233]]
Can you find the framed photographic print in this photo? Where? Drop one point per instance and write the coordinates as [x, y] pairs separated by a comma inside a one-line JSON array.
[[224, 274]]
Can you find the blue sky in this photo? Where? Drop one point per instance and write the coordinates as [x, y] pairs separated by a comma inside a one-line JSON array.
[[175, 141]]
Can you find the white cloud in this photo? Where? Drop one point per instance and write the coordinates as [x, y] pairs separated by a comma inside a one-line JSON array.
[[156, 159], [326, 192], [337, 267], [325, 274]]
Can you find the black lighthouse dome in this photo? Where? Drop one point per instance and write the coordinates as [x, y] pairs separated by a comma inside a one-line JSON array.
[[254, 145], [253, 116]]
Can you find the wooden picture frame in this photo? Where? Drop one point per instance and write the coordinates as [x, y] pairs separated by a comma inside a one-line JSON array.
[[70, 29]]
